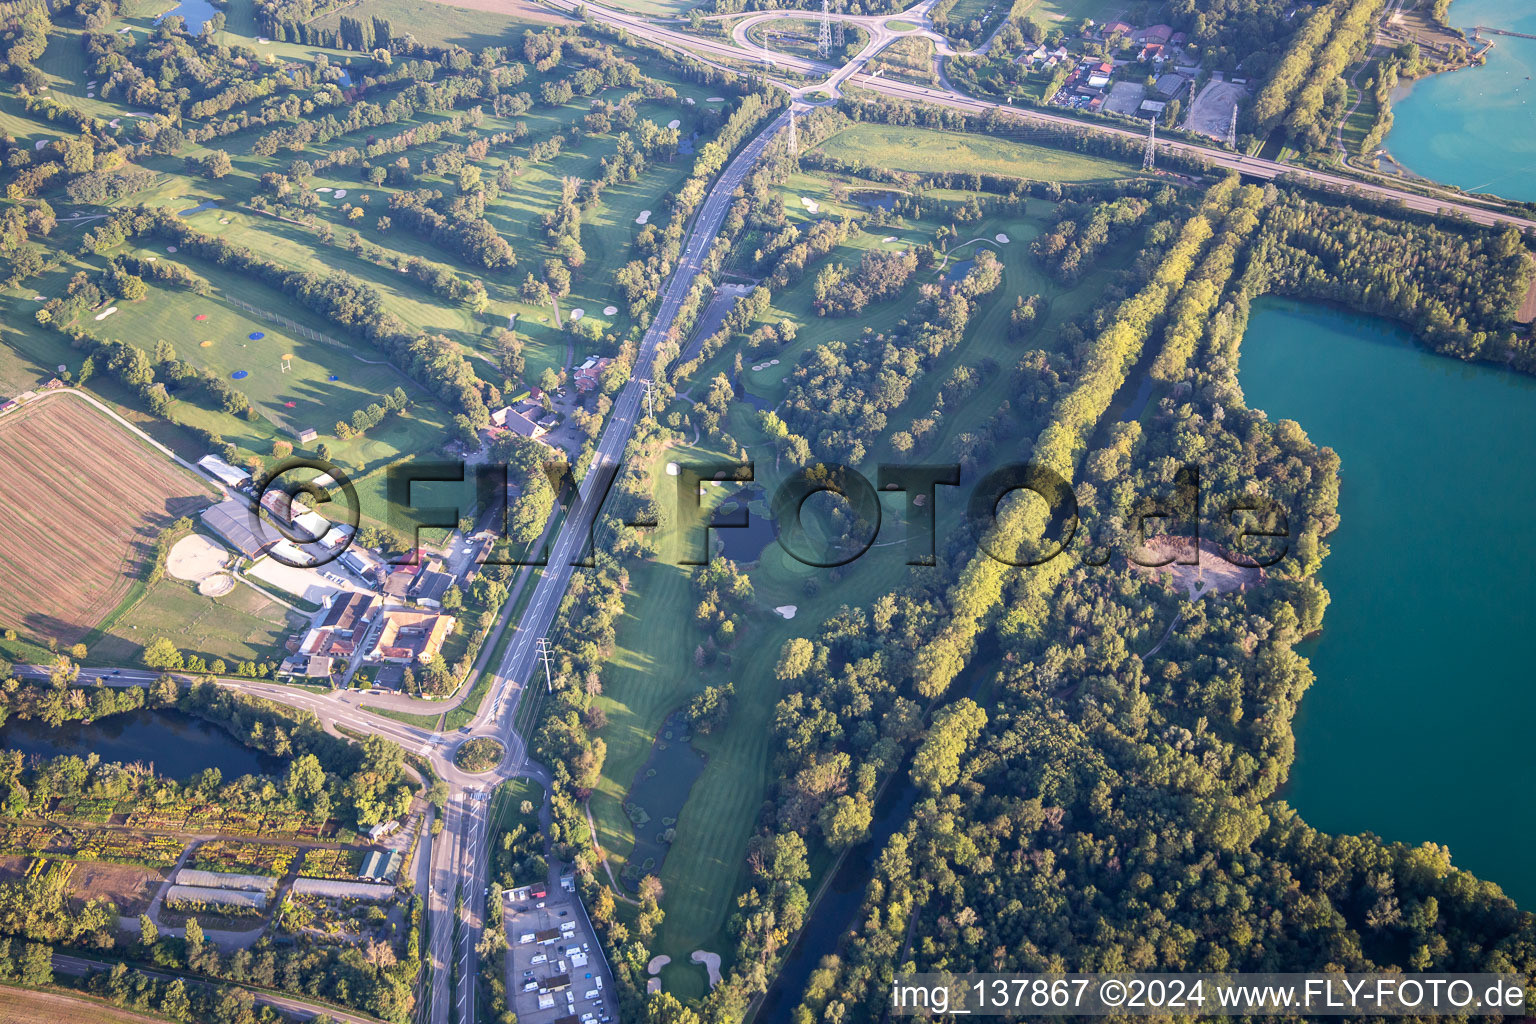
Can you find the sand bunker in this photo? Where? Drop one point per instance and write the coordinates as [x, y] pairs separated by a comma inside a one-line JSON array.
[[688, 100], [645, 215], [610, 310], [341, 193], [40, 143], [673, 469], [170, 248], [657, 963], [810, 204], [216, 585], [325, 188], [116, 122], [711, 962], [578, 313], [106, 312], [195, 557], [1002, 237], [787, 610], [715, 99], [675, 122]]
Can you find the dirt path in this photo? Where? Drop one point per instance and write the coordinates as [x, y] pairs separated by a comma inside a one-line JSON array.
[[1527, 311], [618, 890]]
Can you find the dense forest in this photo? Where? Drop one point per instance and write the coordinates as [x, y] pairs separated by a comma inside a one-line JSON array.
[[1112, 802]]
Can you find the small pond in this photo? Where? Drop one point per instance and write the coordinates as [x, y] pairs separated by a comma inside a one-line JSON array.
[[744, 544], [194, 12], [875, 197], [176, 744], [657, 795]]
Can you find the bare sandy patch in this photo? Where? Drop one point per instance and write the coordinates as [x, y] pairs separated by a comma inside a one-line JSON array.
[[1212, 573], [195, 558]]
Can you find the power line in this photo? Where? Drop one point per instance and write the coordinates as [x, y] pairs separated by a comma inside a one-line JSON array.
[[542, 650]]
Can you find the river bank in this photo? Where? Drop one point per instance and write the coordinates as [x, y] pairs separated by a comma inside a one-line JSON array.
[[1475, 128], [1415, 726]]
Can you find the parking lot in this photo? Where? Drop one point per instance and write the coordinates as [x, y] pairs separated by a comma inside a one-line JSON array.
[[556, 973]]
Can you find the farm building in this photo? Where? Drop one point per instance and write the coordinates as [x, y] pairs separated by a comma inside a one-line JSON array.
[[308, 434], [234, 524], [351, 611], [223, 472], [380, 866], [383, 829], [358, 563], [589, 373], [411, 636], [518, 422], [429, 586]]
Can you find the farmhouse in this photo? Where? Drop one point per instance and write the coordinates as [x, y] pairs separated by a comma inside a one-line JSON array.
[[429, 586], [351, 612], [589, 373], [518, 422], [223, 472], [233, 523], [411, 636]]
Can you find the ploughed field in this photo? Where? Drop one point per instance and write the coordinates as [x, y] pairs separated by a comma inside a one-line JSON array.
[[81, 499]]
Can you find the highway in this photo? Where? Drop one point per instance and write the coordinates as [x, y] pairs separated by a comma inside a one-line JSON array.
[[1479, 211]]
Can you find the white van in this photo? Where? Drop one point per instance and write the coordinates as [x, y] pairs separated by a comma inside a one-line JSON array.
[[590, 994]]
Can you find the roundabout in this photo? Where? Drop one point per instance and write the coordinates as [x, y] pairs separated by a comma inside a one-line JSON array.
[[479, 755]]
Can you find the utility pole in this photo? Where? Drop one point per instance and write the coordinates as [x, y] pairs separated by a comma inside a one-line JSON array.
[[650, 397], [1148, 157], [824, 42], [543, 653]]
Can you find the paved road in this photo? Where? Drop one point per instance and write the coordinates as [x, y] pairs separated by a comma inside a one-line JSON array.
[[78, 966], [1479, 211]]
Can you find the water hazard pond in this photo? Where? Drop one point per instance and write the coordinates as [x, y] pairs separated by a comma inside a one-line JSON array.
[[1417, 727], [178, 745]]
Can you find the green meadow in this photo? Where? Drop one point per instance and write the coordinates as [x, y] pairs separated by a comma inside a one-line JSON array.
[[926, 150]]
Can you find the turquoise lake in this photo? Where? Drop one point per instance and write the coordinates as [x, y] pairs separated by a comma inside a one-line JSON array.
[[1418, 726], [1476, 128]]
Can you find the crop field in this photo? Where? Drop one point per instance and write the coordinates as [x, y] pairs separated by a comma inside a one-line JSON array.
[[234, 857], [25, 1006], [82, 500], [339, 864], [925, 150]]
